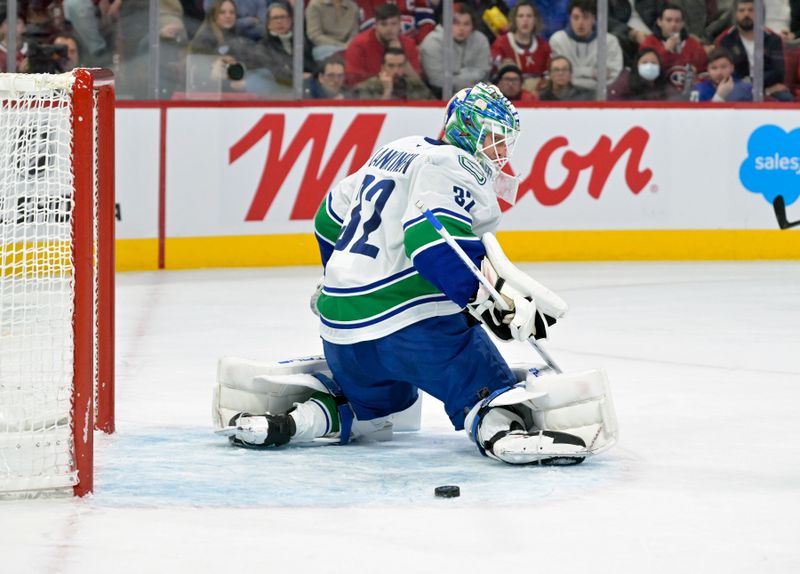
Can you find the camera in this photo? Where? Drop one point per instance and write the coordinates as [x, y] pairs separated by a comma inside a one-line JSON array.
[[235, 71]]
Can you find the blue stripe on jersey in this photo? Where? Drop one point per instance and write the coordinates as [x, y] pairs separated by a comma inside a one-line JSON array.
[[441, 266], [369, 287], [331, 212], [455, 215], [325, 249], [397, 311]]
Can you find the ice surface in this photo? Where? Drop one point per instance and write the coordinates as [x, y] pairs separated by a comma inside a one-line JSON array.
[[703, 362]]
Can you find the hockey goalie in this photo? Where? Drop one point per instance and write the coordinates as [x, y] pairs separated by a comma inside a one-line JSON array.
[[400, 311]]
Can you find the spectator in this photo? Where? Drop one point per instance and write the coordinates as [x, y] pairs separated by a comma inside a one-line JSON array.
[[330, 25], [93, 22], [173, 38], [364, 55], [471, 62], [274, 63], [521, 44], [559, 87], [721, 85], [699, 15], [329, 82], [578, 42], [509, 81], [251, 16], [22, 47], [217, 52], [739, 41], [779, 15], [675, 47], [554, 16], [626, 24], [417, 18], [73, 58], [645, 81], [393, 82]]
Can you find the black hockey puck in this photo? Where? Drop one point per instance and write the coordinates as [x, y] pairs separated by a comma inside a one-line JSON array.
[[448, 491]]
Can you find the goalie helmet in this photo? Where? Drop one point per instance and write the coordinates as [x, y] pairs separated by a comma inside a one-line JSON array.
[[482, 119]]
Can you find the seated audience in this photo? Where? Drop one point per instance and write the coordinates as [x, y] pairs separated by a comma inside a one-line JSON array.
[[721, 85], [216, 53], [521, 44], [417, 18], [251, 16], [676, 49], [558, 85], [330, 25], [328, 84], [578, 42], [364, 54], [470, 50], [645, 81], [394, 81], [739, 41], [509, 81]]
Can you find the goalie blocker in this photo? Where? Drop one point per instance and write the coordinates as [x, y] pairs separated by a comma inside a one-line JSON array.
[[532, 306], [544, 419]]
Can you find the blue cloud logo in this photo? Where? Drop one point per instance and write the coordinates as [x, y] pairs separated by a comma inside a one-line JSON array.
[[772, 166]]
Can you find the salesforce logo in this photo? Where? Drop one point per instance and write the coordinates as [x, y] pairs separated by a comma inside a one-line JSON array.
[[772, 168]]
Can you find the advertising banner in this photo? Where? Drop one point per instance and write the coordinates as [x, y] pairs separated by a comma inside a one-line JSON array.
[[262, 171]]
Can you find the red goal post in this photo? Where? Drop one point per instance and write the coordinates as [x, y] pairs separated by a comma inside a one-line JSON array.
[[57, 213]]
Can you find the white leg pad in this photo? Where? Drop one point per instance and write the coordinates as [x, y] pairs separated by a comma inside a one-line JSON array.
[[578, 404], [244, 385]]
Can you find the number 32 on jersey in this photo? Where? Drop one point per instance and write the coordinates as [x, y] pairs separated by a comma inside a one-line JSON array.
[[375, 193]]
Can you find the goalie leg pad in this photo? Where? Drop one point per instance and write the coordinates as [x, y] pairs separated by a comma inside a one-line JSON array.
[[503, 428], [579, 404]]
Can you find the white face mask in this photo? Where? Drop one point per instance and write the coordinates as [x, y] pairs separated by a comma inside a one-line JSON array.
[[649, 71]]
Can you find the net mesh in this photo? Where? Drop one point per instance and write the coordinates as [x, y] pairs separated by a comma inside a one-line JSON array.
[[36, 285]]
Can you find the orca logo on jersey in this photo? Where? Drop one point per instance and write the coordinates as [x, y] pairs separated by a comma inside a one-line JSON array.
[[473, 168]]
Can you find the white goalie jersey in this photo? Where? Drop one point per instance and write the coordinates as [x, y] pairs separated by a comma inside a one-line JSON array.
[[386, 267]]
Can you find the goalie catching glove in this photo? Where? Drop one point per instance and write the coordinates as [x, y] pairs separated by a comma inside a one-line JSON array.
[[532, 306]]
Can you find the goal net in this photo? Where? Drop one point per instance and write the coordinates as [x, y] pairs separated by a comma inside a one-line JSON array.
[[56, 277]]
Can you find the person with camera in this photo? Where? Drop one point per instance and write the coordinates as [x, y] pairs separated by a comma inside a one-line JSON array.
[[216, 61]]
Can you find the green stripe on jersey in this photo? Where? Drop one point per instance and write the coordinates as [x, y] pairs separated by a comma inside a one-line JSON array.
[[325, 225], [335, 307], [422, 233]]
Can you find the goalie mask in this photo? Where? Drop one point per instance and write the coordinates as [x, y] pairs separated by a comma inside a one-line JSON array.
[[484, 123]]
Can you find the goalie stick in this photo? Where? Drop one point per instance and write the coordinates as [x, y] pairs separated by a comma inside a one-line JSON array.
[[437, 225]]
